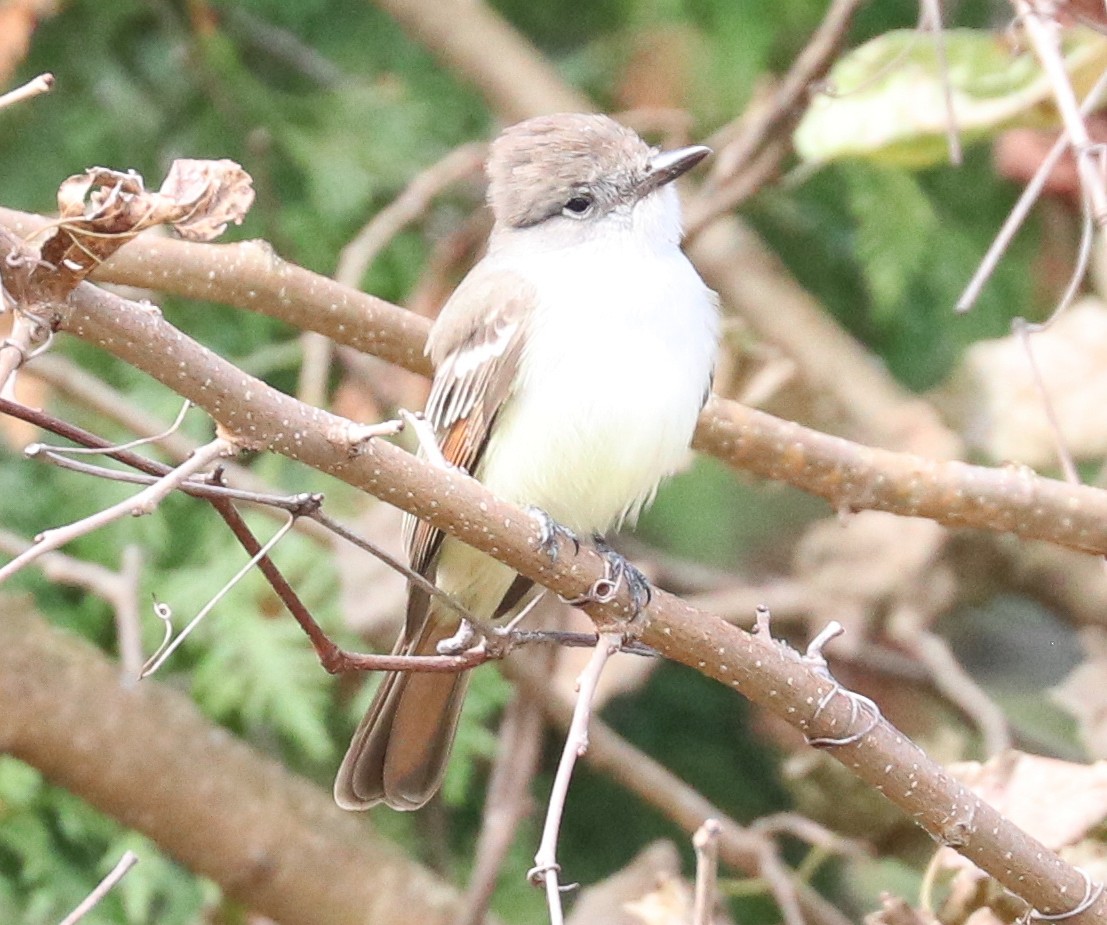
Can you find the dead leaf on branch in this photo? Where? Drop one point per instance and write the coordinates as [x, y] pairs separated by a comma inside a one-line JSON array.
[[102, 209], [211, 194]]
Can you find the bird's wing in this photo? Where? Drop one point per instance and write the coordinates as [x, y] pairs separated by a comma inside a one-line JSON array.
[[476, 346]]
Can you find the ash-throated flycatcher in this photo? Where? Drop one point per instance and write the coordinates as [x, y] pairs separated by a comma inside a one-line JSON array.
[[570, 367]]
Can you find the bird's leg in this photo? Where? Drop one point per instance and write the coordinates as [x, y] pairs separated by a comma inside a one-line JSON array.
[[617, 570], [551, 533], [621, 568]]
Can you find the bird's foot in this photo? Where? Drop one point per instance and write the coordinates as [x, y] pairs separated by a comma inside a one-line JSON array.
[[551, 533], [617, 571]]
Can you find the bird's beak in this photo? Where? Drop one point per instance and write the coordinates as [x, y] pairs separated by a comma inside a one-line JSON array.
[[666, 166]]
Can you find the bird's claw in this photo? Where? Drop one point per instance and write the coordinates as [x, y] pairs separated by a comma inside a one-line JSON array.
[[551, 533], [617, 571]]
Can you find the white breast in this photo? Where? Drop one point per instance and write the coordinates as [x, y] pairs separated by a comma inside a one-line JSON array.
[[615, 368]]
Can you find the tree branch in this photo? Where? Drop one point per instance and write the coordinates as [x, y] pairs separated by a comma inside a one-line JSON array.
[[146, 756], [767, 673]]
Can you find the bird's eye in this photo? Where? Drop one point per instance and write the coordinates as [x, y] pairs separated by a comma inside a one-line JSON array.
[[578, 206]]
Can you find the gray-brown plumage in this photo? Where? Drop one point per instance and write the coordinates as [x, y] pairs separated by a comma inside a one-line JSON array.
[[558, 186]]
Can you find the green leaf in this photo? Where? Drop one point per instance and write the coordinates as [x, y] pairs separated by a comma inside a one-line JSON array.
[[890, 94], [896, 230]]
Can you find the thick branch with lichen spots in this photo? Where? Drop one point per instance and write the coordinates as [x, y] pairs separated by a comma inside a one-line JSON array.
[[767, 673], [848, 475]]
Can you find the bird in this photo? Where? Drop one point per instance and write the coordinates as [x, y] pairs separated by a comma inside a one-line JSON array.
[[571, 364]]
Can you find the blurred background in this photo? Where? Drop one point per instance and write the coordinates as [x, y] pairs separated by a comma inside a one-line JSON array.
[[333, 108]]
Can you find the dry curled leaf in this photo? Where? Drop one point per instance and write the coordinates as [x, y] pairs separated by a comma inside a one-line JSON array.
[[1058, 802], [996, 400], [101, 209], [209, 195]]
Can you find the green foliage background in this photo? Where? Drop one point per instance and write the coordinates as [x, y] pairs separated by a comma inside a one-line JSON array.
[[329, 139]]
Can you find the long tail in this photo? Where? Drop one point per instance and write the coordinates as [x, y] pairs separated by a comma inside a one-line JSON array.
[[398, 754]]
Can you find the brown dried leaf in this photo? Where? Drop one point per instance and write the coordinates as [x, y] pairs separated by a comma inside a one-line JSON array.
[[996, 400], [1058, 802], [669, 904], [102, 209], [208, 195]]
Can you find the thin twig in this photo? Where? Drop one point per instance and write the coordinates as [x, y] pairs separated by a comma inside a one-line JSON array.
[[507, 802], [546, 868], [118, 589], [155, 661], [14, 351], [1064, 455], [117, 873], [142, 503], [753, 666], [302, 506], [1044, 32], [706, 843], [958, 687], [1022, 208], [36, 86], [128, 628], [932, 23], [117, 447], [726, 180], [412, 203]]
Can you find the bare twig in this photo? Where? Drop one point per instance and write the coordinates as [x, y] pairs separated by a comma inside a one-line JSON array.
[[128, 628], [282, 45], [931, 21], [1026, 201], [1041, 26], [957, 686], [142, 503], [155, 661], [706, 843], [546, 869], [274, 841], [118, 447], [460, 506], [611, 754], [118, 589], [117, 873], [725, 187], [734, 261], [15, 349], [1064, 455], [33, 87], [468, 37]]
